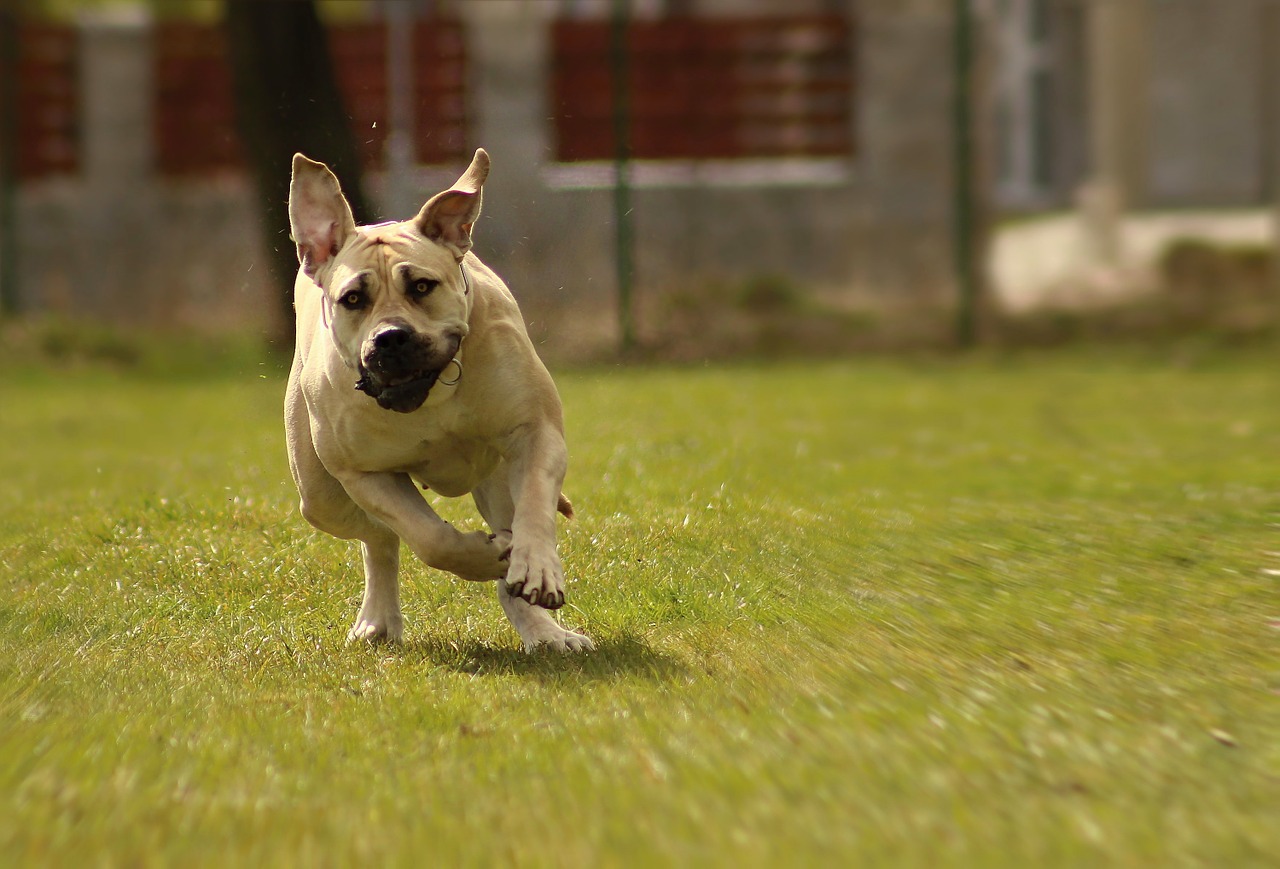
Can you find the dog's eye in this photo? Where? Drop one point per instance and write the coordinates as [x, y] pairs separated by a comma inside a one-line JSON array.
[[352, 300], [422, 287]]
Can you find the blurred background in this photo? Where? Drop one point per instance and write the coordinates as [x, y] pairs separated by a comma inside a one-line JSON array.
[[689, 177]]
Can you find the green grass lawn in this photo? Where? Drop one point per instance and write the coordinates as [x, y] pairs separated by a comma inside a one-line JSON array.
[[1002, 610]]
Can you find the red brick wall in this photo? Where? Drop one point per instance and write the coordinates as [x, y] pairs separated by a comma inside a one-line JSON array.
[[707, 88], [195, 116], [47, 101]]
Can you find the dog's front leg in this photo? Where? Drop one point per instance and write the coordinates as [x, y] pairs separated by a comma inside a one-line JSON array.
[[379, 617], [537, 458], [394, 500]]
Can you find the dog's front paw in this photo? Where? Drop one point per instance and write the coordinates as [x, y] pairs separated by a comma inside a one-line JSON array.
[[380, 629], [477, 556], [554, 638], [537, 578]]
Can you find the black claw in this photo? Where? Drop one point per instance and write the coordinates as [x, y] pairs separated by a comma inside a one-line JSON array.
[[514, 590], [556, 601], [531, 597]]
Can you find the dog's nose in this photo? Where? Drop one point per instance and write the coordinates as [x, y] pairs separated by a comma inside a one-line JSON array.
[[392, 339]]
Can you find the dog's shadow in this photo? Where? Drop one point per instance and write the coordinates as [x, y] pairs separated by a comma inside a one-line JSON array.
[[615, 657]]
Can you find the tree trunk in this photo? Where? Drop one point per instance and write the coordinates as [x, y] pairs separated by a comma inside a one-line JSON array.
[[287, 100]]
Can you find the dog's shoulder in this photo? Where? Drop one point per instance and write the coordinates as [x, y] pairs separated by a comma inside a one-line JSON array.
[[503, 348], [487, 284], [495, 307]]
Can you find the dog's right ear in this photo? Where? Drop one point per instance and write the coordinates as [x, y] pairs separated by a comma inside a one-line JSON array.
[[319, 217]]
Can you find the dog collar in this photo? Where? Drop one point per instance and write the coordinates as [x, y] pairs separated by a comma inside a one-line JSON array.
[[456, 364], [455, 361]]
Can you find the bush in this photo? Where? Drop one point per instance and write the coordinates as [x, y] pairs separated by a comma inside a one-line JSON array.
[[1207, 284]]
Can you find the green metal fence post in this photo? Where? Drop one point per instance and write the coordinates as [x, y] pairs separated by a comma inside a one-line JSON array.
[[8, 162], [964, 235], [624, 238]]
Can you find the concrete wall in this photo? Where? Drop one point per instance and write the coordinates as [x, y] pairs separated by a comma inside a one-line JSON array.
[[154, 254], [899, 232], [1206, 102], [1185, 99]]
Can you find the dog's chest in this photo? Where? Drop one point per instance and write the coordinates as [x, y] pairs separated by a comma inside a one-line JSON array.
[[448, 464], [453, 468]]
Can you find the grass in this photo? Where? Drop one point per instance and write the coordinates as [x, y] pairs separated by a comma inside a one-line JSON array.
[[1003, 610]]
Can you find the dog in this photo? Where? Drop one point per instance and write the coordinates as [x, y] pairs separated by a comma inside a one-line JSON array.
[[412, 367]]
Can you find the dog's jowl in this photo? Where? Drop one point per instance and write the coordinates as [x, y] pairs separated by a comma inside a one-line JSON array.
[[413, 368]]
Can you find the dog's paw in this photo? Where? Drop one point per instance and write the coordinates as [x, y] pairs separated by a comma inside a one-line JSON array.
[[376, 630], [536, 578], [502, 540], [477, 556], [552, 637]]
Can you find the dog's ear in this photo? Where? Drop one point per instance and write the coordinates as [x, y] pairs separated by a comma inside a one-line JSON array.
[[319, 217], [448, 217]]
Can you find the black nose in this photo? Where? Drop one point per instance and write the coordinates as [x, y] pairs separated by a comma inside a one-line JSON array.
[[392, 339]]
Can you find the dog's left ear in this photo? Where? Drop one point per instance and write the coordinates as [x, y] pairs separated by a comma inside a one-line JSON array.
[[320, 219], [448, 217]]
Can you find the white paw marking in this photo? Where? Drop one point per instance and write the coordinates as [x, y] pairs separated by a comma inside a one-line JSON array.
[[476, 556], [376, 630], [557, 639]]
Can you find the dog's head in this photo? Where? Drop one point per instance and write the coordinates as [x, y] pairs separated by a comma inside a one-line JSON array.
[[396, 298]]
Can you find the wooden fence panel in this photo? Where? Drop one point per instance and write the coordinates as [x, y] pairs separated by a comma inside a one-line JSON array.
[[47, 101], [194, 113], [707, 88], [439, 81], [195, 130], [359, 61], [440, 67]]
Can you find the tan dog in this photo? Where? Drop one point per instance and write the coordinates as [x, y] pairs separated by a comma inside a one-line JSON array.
[[413, 366]]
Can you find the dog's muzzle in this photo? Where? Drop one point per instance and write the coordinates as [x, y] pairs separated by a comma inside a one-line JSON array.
[[400, 366]]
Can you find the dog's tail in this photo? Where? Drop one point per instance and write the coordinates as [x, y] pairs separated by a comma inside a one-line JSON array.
[[565, 508]]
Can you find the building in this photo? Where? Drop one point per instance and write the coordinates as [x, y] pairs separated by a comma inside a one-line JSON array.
[[812, 140]]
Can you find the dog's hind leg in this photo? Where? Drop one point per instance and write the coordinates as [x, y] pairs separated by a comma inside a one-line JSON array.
[[536, 625]]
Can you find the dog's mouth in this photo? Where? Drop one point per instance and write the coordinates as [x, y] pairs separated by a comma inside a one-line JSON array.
[[398, 367], [403, 393]]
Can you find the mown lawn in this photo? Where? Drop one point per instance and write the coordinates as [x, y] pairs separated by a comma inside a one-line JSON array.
[[1003, 610]]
